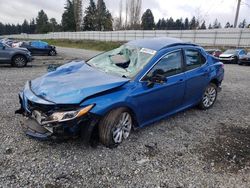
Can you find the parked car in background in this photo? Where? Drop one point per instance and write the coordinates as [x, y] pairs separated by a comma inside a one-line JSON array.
[[232, 55], [214, 52], [39, 48], [129, 87], [18, 57], [245, 59]]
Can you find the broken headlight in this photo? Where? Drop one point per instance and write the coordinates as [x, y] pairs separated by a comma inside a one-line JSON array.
[[68, 115]]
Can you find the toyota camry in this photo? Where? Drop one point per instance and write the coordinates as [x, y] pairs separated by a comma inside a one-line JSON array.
[[118, 91]]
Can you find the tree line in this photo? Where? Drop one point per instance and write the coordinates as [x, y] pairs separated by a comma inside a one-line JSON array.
[[98, 18]]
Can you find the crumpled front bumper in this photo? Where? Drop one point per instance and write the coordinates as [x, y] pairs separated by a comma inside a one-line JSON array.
[[80, 126]]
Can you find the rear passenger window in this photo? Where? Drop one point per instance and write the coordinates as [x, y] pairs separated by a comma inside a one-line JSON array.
[[194, 59]]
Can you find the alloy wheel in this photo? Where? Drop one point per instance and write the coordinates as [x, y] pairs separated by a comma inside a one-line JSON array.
[[209, 96], [20, 62], [123, 128]]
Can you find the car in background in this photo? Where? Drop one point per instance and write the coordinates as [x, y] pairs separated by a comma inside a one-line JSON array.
[[39, 48], [245, 59], [18, 57], [126, 88], [214, 52], [232, 55]]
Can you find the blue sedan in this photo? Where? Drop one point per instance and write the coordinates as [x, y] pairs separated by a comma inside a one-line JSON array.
[[115, 92]]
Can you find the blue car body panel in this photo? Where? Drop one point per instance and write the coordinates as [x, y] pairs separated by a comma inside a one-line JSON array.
[[79, 84], [73, 82]]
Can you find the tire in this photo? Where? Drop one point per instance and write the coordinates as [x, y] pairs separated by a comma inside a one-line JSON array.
[[236, 60], [52, 53], [115, 127], [19, 61], [239, 63], [209, 97]]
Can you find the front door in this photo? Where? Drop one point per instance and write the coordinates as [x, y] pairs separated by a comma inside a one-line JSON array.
[[163, 97], [4, 54]]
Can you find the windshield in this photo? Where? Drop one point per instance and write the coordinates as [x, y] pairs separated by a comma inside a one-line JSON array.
[[231, 51], [125, 61]]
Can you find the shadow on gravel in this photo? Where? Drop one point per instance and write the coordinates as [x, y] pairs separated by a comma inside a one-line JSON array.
[[230, 151]]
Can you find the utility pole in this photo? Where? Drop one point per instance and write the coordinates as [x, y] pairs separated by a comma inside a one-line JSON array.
[[237, 14]]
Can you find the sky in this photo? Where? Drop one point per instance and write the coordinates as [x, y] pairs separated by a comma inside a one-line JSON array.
[[15, 11]]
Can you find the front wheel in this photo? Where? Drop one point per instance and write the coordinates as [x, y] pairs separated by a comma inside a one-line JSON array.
[[19, 61], [115, 127], [209, 97]]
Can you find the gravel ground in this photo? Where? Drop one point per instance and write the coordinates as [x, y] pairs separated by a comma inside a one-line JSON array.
[[191, 149]]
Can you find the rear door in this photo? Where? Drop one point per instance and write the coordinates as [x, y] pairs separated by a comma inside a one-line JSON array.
[[197, 75]]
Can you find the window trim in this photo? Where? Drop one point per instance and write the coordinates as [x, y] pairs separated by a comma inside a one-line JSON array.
[[185, 59], [182, 64]]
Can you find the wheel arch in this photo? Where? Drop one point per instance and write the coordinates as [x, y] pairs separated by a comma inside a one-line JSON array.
[[215, 81], [122, 105]]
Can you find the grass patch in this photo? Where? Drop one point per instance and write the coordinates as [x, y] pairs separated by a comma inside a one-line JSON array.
[[85, 44]]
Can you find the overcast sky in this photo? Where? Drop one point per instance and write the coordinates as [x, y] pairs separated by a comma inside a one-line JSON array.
[[15, 11]]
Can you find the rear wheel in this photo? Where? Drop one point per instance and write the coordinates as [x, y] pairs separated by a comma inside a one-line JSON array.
[[209, 97], [115, 127], [19, 61], [52, 53]]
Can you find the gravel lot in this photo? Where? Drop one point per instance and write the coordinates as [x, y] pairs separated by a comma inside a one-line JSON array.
[[191, 149]]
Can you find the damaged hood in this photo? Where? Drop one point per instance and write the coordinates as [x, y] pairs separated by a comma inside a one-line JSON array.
[[73, 82]]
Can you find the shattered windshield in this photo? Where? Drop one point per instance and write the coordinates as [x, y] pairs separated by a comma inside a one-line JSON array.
[[125, 61]]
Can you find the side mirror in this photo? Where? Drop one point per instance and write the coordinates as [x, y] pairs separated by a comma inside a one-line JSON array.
[[158, 78]]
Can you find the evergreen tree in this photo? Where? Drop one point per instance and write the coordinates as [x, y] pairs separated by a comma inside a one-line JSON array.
[[42, 22], [103, 17], [193, 23], [178, 24], [186, 24], [158, 25], [203, 25], [210, 26], [54, 26], [216, 24], [147, 20], [89, 20], [68, 17], [32, 26], [25, 27], [170, 24]]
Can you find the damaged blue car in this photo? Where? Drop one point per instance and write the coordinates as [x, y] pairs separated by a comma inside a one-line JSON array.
[[115, 92]]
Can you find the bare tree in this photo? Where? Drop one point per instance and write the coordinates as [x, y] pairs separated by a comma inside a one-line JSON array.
[[120, 20], [135, 7], [78, 13], [126, 13]]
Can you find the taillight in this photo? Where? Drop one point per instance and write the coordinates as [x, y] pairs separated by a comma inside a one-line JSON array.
[[222, 65]]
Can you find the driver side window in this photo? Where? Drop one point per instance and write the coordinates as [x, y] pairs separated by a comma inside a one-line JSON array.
[[169, 65]]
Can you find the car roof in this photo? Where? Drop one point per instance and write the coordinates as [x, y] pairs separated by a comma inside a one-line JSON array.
[[157, 43]]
